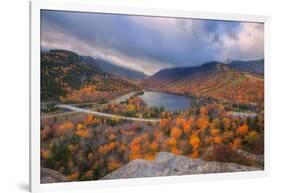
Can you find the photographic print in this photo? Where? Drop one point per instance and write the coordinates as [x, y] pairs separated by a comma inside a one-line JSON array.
[[133, 96]]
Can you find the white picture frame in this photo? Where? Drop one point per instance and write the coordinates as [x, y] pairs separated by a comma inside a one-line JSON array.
[[87, 6]]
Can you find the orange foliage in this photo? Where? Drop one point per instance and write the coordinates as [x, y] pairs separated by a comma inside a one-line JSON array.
[[149, 157], [83, 133], [217, 140], [64, 127], [176, 133], [195, 154], [202, 123], [243, 129], [113, 164], [228, 134], [194, 141], [112, 137], [214, 132], [180, 122], [186, 127], [172, 142], [73, 176], [154, 147], [164, 123], [89, 120], [135, 152], [176, 151], [236, 144], [204, 110]]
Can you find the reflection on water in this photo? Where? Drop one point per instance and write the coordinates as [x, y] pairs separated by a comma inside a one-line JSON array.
[[170, 102]]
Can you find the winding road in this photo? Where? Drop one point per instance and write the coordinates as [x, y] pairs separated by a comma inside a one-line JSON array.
[[77, 109]]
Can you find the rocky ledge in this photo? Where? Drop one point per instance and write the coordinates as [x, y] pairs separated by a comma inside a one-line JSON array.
[[51, 176], [167, 164]]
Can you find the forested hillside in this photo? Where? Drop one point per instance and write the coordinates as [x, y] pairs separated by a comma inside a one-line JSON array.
[[68, 77]]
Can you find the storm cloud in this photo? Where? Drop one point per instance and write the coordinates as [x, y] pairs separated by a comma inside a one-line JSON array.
[[149, 44]]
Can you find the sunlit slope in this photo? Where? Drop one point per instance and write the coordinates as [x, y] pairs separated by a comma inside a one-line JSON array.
[[211, 80]]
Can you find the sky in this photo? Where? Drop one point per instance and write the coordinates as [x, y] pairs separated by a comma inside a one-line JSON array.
[[148, 44]]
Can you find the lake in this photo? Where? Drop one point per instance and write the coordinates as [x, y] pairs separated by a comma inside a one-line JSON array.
[[170, 102]]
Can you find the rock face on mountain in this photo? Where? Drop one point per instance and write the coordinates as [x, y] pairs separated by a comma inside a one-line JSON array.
[[51, 176], [167, 164]]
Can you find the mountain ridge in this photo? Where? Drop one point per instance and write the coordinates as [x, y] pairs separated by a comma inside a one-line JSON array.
[[117, 70], [212, 79], [252, 66]]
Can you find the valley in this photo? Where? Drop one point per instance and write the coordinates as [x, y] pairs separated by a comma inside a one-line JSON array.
[[94, 121]]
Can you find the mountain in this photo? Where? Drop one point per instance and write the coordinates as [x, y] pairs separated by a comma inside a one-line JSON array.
[[253, 66], [66, 76], [170, 75], [212, 79], [114, 69]]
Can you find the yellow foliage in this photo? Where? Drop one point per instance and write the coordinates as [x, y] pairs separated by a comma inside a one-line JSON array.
[[194, 141], [131, 108], [80, 126], [83, 133], [70, 147], [45, 154], [251, 137]]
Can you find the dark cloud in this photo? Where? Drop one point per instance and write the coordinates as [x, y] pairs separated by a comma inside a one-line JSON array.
[[151, 43]]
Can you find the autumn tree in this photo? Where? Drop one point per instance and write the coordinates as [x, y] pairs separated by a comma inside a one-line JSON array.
[[243, 129], [176, 133], [202, 123], [194, 141]]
